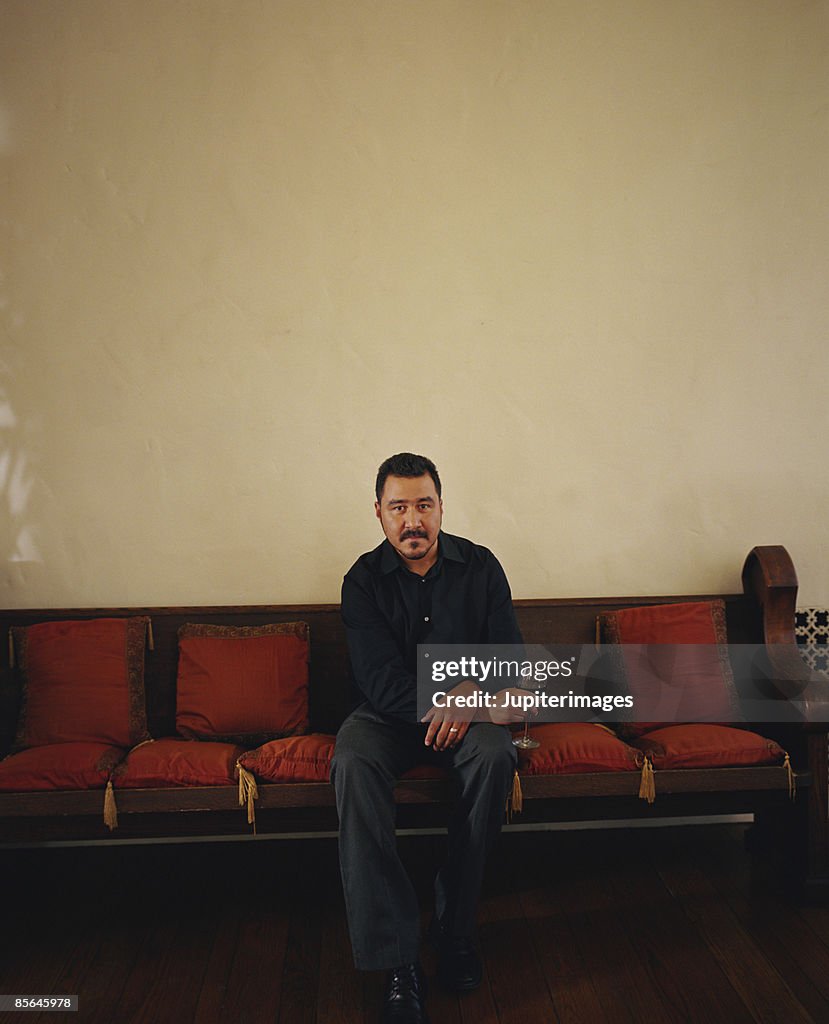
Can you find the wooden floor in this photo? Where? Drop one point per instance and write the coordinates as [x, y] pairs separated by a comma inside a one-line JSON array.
[[642, 926]]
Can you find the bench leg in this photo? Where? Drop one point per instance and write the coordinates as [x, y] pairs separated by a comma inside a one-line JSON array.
[[816, 812]]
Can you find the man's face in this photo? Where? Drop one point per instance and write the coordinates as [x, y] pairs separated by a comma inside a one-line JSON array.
[[410, 513]]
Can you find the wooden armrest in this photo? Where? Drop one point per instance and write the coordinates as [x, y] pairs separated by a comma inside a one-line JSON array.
[[792, 679], [770, 581], [790, 675]]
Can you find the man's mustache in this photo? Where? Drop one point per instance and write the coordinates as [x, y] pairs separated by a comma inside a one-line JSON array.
[[407, 534]]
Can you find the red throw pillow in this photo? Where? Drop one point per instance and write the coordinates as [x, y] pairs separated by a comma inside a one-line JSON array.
[[294, 759], [708, 746], [243, 685], [83, 681], [685, 663], [59, 766], [173, 762], [573, 747]]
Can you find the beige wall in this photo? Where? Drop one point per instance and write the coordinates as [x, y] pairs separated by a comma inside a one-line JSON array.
[[575, 251]]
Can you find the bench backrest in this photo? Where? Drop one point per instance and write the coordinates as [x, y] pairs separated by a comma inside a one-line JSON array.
[[331, 692]]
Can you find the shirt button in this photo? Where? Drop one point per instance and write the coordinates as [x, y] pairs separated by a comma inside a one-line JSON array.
[[425, 618]]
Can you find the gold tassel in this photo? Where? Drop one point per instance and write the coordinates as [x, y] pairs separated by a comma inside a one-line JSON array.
[[647, 784], [110, 810], [248, 793], [11, 649], [150, 638], [515, 801], [787, 764]]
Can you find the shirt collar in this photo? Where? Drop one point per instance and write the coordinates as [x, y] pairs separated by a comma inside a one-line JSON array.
[[447, 548]]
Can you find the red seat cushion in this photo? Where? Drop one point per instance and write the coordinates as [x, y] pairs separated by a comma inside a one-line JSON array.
[[293, 759], [572, 747], [307, 758], [83, 681], [242, 685], [676, 654], [707, 746], [59, 766], [175, 762]]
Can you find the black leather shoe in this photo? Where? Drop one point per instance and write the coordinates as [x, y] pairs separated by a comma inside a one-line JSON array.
[[405, 995], [459, 966]]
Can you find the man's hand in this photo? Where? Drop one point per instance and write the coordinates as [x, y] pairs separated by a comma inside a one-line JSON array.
[[446, 728]]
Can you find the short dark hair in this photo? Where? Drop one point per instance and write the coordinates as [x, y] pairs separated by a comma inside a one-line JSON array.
[[408, 465]]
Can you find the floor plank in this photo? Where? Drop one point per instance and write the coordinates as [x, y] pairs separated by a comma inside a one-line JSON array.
[[678, 962], [767, 917], [574, 928], [569, 984], [757, 980], [516, 978], [623, 986]]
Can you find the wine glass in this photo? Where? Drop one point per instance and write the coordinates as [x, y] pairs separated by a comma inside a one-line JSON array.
[[525, 741]]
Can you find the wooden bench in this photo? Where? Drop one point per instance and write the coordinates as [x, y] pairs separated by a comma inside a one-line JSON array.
[[763, 613]]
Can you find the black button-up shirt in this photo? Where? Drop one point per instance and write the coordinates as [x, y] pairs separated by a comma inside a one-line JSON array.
[[388, 611]]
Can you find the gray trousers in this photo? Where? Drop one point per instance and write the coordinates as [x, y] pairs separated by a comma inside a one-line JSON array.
[[372, 752]]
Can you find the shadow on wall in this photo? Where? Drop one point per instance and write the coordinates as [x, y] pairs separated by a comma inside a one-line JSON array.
[[16, 480], [17, 543]]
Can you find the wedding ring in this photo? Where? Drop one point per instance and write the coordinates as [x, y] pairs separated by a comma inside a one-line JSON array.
[[452, 729]]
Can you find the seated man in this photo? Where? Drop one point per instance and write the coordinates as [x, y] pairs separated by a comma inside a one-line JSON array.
[[420, 585]]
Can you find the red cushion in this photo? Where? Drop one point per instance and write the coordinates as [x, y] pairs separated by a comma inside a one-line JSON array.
[[686, 664], [692, 622], [83, 681], [707, 746], [59, 766], [174, 762], [293, 759], [242, 684], [308, 759], [572, 747]]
